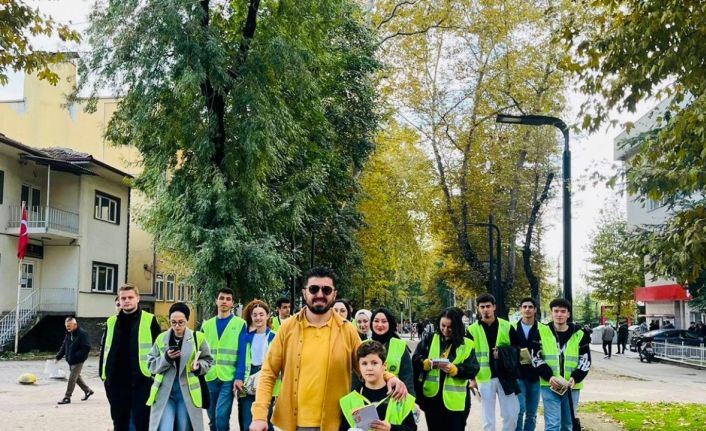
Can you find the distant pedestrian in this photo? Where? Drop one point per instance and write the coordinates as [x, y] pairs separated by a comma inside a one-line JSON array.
[[622, 337], [123, 365], [75, 349], [343, 308], [654, 325], [608, 335], [667, 325]]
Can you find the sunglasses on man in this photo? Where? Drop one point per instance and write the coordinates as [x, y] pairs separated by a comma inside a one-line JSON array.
[[314, 289]]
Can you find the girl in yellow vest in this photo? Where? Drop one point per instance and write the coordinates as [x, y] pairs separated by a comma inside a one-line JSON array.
[[252, 350], [399, 359], [444, 396], [176, 404]]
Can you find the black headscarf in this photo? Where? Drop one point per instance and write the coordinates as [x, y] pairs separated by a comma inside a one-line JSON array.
[[392, 322]]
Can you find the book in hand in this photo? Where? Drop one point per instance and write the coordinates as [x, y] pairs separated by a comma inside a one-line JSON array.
[[435, 363], [525, 357], [365, 416], [563, 388]]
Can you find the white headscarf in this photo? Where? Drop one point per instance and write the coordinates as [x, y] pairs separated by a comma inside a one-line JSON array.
[[369, 315]]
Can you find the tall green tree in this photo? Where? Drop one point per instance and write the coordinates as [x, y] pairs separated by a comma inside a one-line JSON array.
[[19, 23], [448, 82], [627, 51], [616, 271], [252, 119]]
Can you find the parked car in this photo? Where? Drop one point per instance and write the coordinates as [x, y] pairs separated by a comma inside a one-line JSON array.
[[673, 336]]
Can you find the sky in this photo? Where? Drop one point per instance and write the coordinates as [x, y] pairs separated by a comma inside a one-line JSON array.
[[589, 153]]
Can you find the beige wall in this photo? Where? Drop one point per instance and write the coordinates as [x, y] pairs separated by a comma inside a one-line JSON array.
[[107, 244]]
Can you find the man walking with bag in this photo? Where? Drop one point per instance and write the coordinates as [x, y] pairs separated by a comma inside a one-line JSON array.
[[75, 349]]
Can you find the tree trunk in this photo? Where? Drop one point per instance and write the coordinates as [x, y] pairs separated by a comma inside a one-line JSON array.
[[527, 250]]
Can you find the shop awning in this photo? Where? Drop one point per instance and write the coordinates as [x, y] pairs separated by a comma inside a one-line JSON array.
[[666, 292]]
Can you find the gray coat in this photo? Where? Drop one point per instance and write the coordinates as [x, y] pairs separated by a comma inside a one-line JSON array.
[[158, 364]]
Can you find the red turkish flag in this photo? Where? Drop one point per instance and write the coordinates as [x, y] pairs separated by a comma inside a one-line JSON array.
[[24, 236]]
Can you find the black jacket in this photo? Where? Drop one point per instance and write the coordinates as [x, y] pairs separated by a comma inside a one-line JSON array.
[[75, 347], [123, 359], [508, 366], [527, 371]]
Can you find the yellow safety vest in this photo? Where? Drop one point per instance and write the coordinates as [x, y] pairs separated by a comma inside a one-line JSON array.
[[395, 351], [191, 378], [550, 352], [144, 340], [482, 348], [224, 349], [248, 364], [395, 413], [454, 392]]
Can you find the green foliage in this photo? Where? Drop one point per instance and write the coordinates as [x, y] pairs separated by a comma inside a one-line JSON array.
[[658, 416], [395, 241], [623, 53], [18, 23], [616, 270], [252, 120]]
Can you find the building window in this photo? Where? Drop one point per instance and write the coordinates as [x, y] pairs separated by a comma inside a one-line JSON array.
[[107, 208], [170, 287], [32, 197], [190, 291], [2, 185], [104, 278], [159, 287], [653, 205], [181, 292], [27, 279]]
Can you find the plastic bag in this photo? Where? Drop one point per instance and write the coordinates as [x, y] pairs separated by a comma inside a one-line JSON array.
[[53, 371]]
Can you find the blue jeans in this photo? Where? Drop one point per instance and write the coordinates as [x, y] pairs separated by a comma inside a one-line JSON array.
[[557, 416], [221, 404], [245, 407], [529, 400], [175, 416]]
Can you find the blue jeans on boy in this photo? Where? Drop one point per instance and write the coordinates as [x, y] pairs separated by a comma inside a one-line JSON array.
[[529, 402], [175, 416], [557, 416], [221, 404]]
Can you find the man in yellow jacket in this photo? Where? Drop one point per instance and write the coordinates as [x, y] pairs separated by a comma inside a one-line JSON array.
[[315, 350]]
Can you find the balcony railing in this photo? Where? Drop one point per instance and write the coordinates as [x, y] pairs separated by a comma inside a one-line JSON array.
[[39, 217]]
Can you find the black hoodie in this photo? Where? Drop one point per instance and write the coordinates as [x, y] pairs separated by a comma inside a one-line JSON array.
[[562, 338]]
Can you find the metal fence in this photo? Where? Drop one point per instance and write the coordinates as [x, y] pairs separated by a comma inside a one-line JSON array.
[[692, 355]]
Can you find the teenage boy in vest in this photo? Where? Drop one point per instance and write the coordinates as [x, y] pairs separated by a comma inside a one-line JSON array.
[[284, 307], [222, 334], [527, 331], [495, 332], [127, 342], [394, 415], [562, 352]]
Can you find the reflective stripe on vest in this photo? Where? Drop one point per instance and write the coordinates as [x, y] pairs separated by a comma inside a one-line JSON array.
[[454, 392], [395, 413], [191, 378], [395, 351], [144, 340], [550, 353], [482, 348], [224, 349]]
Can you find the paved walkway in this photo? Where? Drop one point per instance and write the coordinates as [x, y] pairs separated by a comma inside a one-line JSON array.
[[34, 407]]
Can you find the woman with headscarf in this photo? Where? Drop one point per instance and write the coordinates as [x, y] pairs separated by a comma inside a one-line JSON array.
[[362, 323], [445, 361], [399, 360], [175, 396]]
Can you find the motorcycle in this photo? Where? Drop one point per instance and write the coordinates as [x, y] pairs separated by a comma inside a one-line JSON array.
[[646, 351]]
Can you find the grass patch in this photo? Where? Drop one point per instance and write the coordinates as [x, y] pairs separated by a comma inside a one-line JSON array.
[[651, 416], [34, 355]]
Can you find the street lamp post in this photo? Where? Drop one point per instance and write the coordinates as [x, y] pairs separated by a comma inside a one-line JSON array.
[[495, 263], [542, 120]]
